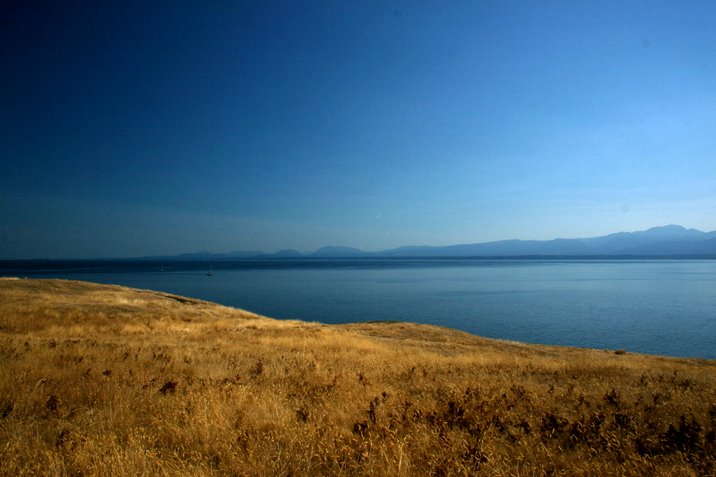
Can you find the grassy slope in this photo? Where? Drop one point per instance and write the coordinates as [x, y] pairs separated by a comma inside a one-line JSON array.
[[105, 380]]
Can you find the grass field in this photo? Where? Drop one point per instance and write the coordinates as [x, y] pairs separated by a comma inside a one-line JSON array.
[[107, 380]]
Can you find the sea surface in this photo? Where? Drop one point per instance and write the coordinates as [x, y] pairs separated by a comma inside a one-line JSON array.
[[649, 306]]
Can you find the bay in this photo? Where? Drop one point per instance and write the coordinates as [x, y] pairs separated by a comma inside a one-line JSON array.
[[649, 306]]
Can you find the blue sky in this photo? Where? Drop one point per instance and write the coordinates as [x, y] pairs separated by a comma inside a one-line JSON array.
[[165, 127]]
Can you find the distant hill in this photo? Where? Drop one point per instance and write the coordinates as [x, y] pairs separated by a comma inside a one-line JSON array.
[[669, 240]]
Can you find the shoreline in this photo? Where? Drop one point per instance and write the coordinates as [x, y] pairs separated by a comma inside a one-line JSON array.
[[108, 379], [616, 350]]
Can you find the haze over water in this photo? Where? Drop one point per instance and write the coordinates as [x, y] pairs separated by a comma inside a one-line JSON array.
[[648, 306]]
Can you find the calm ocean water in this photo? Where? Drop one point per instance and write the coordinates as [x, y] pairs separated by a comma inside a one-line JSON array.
[[649, 306]]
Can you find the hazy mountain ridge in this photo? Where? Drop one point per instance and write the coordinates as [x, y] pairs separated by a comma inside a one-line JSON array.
[[669, 240]]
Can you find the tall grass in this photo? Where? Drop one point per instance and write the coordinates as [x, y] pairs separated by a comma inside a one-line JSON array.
[[103, 380]]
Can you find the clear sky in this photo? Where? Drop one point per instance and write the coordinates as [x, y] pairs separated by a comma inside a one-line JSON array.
[[141, 128]]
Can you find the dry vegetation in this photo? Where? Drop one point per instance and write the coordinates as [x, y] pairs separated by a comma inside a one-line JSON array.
[[101, 380]]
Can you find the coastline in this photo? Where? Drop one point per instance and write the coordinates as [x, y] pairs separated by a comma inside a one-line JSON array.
[[172, 384], [656, 307]]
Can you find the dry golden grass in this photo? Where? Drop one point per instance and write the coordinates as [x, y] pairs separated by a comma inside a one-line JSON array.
[[106, 380]]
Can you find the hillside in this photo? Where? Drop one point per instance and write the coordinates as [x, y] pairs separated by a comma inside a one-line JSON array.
[[107, 380]]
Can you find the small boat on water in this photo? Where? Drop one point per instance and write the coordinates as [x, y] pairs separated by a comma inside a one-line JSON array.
[[210, 273]]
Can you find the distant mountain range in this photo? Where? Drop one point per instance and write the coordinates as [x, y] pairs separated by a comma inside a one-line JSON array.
[[669, 240]]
